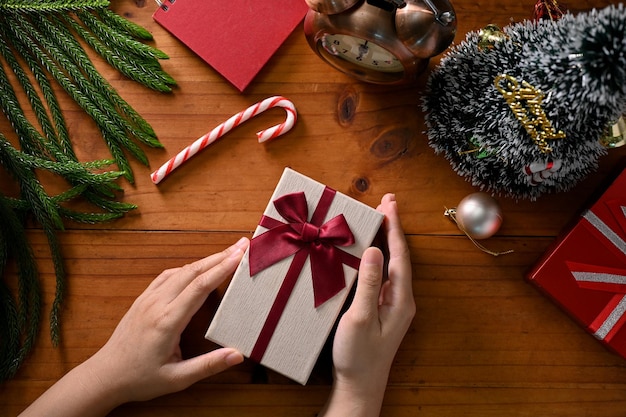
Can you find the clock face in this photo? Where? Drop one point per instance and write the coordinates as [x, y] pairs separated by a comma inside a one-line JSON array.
[[362, 53]]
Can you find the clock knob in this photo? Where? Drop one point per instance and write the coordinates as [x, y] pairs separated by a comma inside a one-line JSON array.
[[330, 6], [426, 27]]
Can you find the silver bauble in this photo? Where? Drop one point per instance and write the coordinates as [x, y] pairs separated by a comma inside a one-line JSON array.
[[480, 215]]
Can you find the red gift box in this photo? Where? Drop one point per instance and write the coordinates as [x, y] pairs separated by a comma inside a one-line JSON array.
[[585, 271]]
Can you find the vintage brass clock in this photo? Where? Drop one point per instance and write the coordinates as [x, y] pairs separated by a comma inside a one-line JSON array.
[[380, 41]]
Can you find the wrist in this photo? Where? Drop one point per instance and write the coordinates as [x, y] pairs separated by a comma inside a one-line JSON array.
[[359, 397], [99, 387], [81, 392]]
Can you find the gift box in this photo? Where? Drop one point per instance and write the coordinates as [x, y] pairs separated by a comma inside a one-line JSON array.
[[293, 280], [585, 270]]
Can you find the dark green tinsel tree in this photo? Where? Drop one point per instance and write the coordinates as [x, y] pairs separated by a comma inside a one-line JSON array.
[[40, 49], [576, 67]]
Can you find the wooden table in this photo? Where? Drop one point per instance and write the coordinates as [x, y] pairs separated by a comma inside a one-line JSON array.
[[483, 342]]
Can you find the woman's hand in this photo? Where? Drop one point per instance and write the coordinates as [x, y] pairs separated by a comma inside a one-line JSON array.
[[142, 359], [370, 332], [143, 354]]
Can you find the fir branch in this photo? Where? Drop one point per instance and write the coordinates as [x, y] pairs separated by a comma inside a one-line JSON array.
[[73, 171], [118, 154], [116, 21], [23, 321], [9, 332], [66, 153], [118, 40], [112, 206], [116, 124], [114, 136], [33, 37], [43, 207], [30, 139], [69, 45], [89, 218], [18, 204], [35, 101], [98, 164], [59, 293], [151, 76], [51, 5], [62, 135]]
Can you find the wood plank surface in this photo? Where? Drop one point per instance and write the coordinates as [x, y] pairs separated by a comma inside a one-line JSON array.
[[483, 342]]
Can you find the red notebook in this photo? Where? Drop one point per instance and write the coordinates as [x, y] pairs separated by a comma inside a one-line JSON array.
[[235, 37]]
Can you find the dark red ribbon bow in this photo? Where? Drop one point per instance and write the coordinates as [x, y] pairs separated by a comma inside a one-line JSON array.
[[302, 239], [297, 235]]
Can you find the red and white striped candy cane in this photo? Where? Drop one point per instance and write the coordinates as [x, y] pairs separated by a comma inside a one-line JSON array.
[[539, 171], [219, 131]]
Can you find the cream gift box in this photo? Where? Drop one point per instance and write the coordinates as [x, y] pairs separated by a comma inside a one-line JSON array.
[[281, 312]]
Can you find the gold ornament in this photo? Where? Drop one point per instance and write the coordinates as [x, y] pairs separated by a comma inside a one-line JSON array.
[[489, 36], [615, 135], [525, 101]]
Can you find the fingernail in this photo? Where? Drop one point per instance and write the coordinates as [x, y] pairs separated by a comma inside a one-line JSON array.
[[372, 256], [233, 358], [242, 243], [238, 248]]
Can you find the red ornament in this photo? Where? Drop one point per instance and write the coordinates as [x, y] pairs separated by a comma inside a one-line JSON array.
[[548, 9]]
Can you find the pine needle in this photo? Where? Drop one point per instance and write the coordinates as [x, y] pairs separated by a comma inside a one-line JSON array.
[[39, 44]]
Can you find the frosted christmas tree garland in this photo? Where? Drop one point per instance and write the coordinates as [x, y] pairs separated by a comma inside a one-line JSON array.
[[521, 112]]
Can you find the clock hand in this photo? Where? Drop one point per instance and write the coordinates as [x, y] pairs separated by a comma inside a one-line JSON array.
[[363, 49]]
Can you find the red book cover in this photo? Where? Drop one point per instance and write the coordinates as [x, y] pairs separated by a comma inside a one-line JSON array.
[[584, 272], [235, 37]]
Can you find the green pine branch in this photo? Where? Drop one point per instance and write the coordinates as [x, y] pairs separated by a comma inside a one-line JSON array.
[[40, 45], [19, 316], [145, 72], [25, 6]]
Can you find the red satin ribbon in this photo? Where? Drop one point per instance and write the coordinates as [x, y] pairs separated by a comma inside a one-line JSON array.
[[301, 238]]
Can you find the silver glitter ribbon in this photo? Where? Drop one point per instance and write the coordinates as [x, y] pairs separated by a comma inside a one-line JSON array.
[[605, 278]]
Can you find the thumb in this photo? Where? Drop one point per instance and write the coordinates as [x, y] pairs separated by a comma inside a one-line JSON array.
[[365, 303], [203, 366]]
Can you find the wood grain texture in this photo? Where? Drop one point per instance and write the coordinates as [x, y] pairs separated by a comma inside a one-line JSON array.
[[483, 342]]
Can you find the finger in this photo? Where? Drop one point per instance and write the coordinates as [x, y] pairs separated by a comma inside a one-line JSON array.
[[177, 279], [365, 303], [396, 296], [190, 299], [400, 272], [185, 373]]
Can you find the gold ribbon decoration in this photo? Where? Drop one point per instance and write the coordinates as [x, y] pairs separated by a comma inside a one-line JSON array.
[[526, 102]]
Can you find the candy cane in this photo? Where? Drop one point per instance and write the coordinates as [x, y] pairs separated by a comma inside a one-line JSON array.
[[537, 172], [219, 131]]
